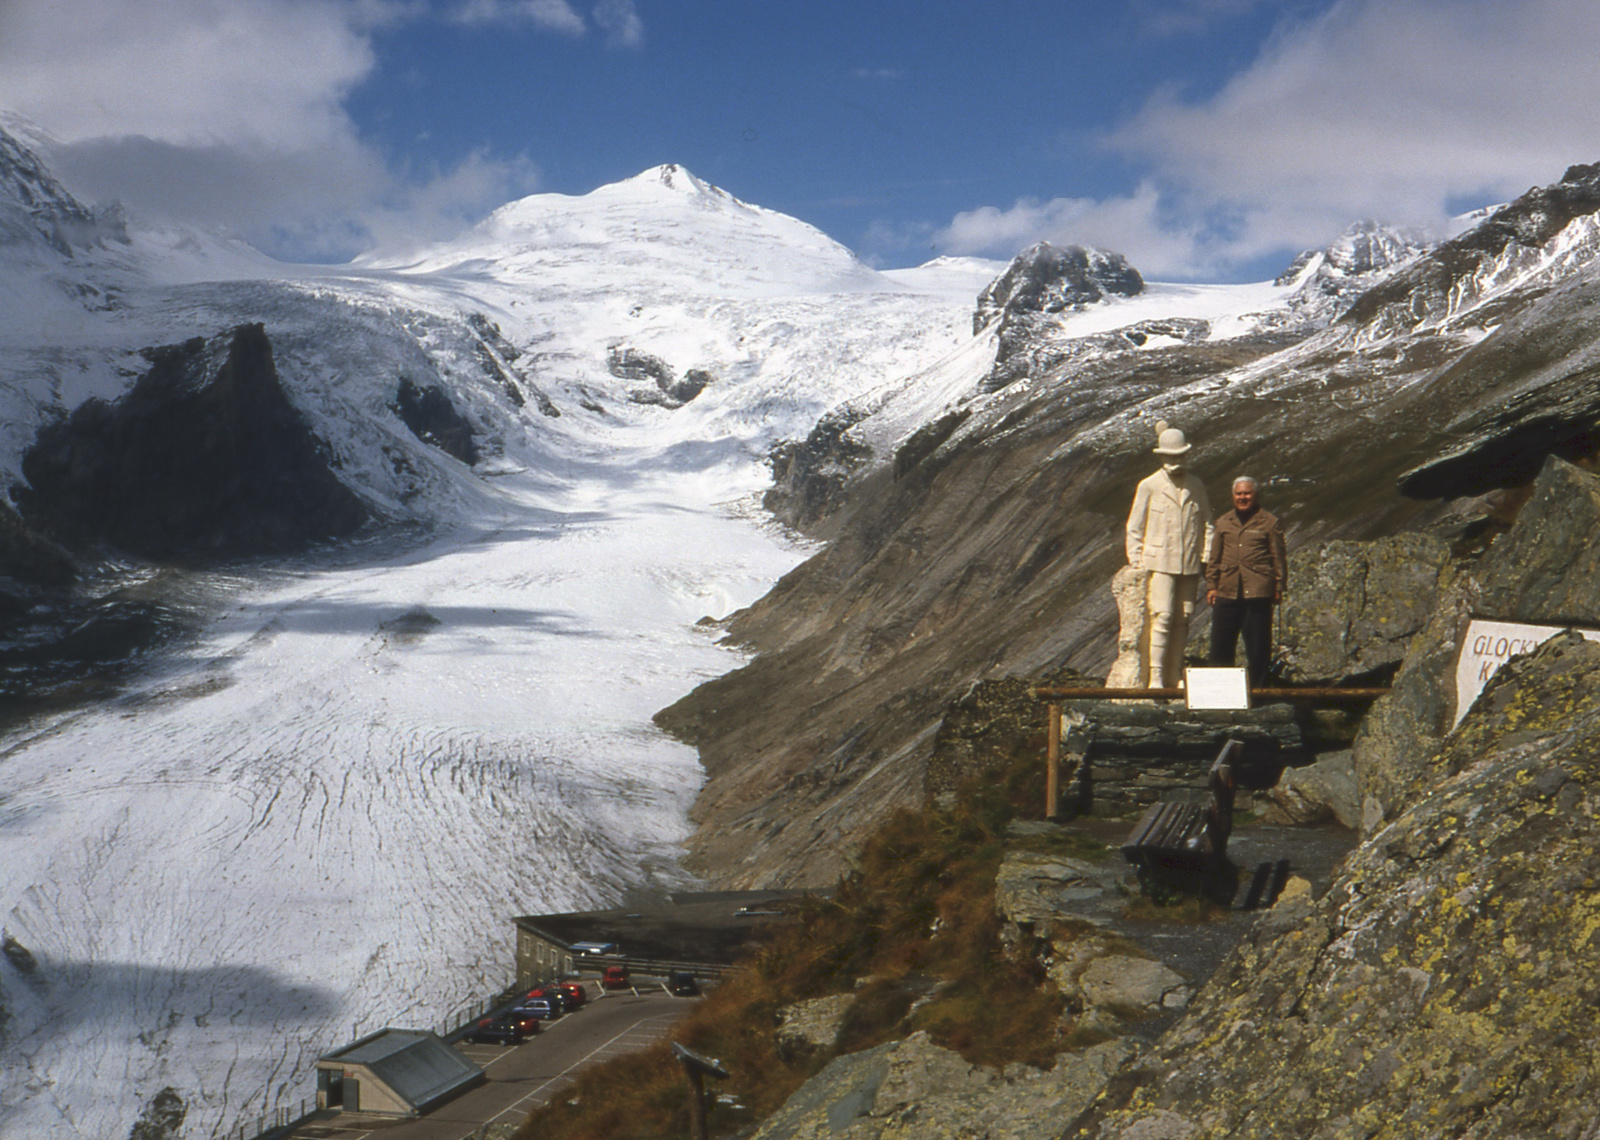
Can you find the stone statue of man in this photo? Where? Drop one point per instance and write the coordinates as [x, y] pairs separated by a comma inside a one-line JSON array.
[[1169, 531]]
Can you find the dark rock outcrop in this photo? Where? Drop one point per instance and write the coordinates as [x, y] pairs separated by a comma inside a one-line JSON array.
[[497, 356], [162, 1118], [1047, 279], [433, 419], [809, 476], [1023, 304], [669, 391], [205, 458], [1448, 984], [1353, 607]]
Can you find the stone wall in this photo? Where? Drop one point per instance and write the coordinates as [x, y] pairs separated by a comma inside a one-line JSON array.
[[1119, 756]]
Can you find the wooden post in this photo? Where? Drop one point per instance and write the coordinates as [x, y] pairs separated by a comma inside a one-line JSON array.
[[697, 1103], [695, 1068], [1052, 756]]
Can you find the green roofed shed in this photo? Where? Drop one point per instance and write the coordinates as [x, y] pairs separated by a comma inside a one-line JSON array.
[[397, 1072]]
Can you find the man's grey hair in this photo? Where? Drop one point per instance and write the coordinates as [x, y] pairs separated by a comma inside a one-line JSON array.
[[1246, 479]]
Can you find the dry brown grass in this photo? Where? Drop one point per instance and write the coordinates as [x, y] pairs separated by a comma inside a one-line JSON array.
[[912, 931]]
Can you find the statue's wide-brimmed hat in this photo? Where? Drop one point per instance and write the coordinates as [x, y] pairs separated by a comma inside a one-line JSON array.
[[1169, 440]]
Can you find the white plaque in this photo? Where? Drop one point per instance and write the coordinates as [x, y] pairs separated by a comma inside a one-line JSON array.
[[1217, 688], [1489, 645]]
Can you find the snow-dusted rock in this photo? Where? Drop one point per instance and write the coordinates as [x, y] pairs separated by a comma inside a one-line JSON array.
[[1048, 279]]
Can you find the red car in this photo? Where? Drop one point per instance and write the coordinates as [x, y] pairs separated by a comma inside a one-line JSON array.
[[615, 978], [576, 992]]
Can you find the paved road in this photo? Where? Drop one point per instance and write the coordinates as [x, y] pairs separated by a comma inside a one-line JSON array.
[[523, 1077]]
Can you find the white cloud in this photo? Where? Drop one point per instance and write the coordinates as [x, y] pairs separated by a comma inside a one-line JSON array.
[[551, 15], [183, 71], [1395, 109], [619, 20], [1134, 226], [231, 112]]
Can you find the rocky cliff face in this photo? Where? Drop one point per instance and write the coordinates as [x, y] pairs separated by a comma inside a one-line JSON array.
[[1542, 570], [204, 458], [992, 553], [35, 206], [1447, 984]]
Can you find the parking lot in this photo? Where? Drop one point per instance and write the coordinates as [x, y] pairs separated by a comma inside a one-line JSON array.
[[524, 1076]]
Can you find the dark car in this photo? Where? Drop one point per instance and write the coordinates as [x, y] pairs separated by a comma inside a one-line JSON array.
[[552, 993], [541, 1009], [502, 1030], [682, 984], [615, 978]]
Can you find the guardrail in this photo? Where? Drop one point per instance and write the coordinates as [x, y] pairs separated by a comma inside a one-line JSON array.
[[598, 962], [252, 1128]]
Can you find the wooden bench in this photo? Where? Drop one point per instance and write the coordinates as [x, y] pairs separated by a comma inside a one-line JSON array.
[[1188, 837]]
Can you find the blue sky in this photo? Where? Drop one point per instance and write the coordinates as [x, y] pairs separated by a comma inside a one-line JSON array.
[[1205, 139]]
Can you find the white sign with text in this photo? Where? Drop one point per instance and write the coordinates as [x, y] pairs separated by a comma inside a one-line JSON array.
[[1216, 688], [1489, 645]]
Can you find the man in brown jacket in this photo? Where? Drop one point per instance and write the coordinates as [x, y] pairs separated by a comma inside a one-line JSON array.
[[1246, 570]]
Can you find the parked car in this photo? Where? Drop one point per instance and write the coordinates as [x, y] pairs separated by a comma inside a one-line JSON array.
[[528, 1025], [502, 1030], [540, 1008], [615, 978], [682, 984], [576, 992], [554, 994]]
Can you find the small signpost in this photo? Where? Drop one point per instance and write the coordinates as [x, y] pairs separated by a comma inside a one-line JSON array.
[[696, 1068]]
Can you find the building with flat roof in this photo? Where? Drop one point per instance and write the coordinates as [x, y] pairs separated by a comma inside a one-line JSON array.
[[394, 1072], [706, 930]]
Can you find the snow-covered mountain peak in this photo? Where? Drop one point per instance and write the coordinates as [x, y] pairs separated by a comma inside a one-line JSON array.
[[662, 229], [681, 180], [1371, 247]]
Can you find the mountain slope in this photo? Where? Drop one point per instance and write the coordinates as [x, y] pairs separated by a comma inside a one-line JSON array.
[[991, 552]]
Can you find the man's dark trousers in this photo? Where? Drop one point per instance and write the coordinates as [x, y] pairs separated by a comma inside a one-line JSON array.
[[1251, 617]]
